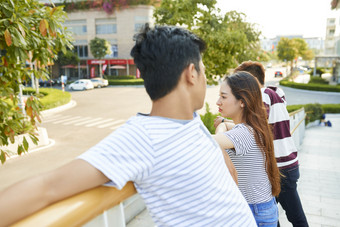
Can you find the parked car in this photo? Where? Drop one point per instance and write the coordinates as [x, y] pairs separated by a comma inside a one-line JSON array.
[[278, 73], [83, 84], [99, 82], [45, 83]]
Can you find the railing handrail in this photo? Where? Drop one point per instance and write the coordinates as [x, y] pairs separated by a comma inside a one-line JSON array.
[[70, 212], [296, 111]]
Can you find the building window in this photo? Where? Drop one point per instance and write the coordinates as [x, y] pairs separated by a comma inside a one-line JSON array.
[[140, 22], [78, 27], [331, 32], [106, 26], [114, 49], [82, 51]]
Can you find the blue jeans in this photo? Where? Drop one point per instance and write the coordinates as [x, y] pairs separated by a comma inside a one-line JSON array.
[[289, 197], [266, 214]]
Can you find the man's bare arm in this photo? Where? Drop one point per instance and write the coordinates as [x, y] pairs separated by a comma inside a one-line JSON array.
[[33, 194]]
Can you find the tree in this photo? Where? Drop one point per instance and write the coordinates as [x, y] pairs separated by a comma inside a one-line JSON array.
[[230, 40], [29, 32], [291, 49], [99, 49], [67, 58]]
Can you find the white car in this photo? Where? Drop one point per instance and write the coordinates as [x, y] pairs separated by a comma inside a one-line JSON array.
[[81, 85], [99, 82]]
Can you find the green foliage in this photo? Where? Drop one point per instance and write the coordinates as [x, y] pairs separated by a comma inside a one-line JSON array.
[[230, 39], [286, 49], [100, 47], [317, 80], [314, 112], [208, 119], [50, 97], [331, 108], [120, 77], [319, 71], [29, 31], [126, 82], [67, 58], [312, 87]]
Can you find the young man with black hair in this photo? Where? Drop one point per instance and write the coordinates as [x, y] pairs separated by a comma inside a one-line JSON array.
[[175, 164]]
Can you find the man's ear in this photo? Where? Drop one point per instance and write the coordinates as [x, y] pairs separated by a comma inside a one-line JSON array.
[[191, 74]]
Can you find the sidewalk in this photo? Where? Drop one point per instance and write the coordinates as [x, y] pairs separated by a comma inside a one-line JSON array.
[[319, 184]]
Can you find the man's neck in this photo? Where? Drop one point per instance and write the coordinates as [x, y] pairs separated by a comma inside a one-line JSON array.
[[176, 105]]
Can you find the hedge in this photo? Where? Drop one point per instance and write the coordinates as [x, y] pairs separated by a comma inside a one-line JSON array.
[[312, 87], [126, 82], [49, 97], [314, 112]]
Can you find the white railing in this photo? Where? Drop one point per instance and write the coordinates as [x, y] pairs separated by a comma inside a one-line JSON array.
[[297, 126]]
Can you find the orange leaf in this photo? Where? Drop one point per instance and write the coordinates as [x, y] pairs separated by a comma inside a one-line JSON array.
[[8, 38], [43, 27], [29, 111], [52, 11]]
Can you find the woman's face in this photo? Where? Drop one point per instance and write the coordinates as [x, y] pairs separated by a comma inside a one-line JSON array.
[[227, 104]]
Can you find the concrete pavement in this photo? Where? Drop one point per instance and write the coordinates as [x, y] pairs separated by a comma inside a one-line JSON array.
[[319, 184]]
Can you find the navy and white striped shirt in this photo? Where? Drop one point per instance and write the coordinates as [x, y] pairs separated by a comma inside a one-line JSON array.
[[178, 169], [249, 162]]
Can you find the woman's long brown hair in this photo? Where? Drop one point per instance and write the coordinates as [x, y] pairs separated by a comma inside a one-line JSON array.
[[245, 87]]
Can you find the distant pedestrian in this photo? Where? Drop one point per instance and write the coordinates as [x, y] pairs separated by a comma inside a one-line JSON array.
[[249, 143]]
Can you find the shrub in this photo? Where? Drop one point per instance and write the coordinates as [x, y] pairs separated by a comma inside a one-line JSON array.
[[49, 97], [319, 71], [314, 112], [312, 87], [120, 77], [208, 119], [127, 82], [331, 108], [317, 80]]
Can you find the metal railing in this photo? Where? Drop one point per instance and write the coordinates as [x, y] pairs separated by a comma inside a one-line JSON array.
[[103, 206]]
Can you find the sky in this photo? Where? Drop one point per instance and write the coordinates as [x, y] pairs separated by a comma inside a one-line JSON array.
[[284, 17]]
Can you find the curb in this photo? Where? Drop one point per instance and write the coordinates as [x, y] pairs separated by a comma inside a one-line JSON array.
[[58, 109]]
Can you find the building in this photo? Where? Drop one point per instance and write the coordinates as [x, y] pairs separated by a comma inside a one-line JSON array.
[[116, 26], [314, 43], [332, 41]]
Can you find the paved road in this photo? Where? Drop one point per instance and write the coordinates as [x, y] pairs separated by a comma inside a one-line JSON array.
[[97, 113]]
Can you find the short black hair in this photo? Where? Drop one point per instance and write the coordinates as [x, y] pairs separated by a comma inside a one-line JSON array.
[[162, 53]]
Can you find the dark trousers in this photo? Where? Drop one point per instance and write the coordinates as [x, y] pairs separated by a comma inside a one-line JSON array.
[[289, 197]]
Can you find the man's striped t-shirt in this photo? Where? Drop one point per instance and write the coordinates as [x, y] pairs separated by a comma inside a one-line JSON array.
[[177, 168], [285, 150], [249, 162]]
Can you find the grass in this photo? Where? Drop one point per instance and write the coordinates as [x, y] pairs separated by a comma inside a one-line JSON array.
[[49, 97]]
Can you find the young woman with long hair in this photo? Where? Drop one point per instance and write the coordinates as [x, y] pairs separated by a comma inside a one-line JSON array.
[[249, 143]]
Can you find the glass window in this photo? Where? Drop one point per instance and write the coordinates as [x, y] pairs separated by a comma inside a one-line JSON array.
[[106, 29], [140, 22], [331, 32], [114, 51], [81, 50], [106, 26], [78, 27]]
